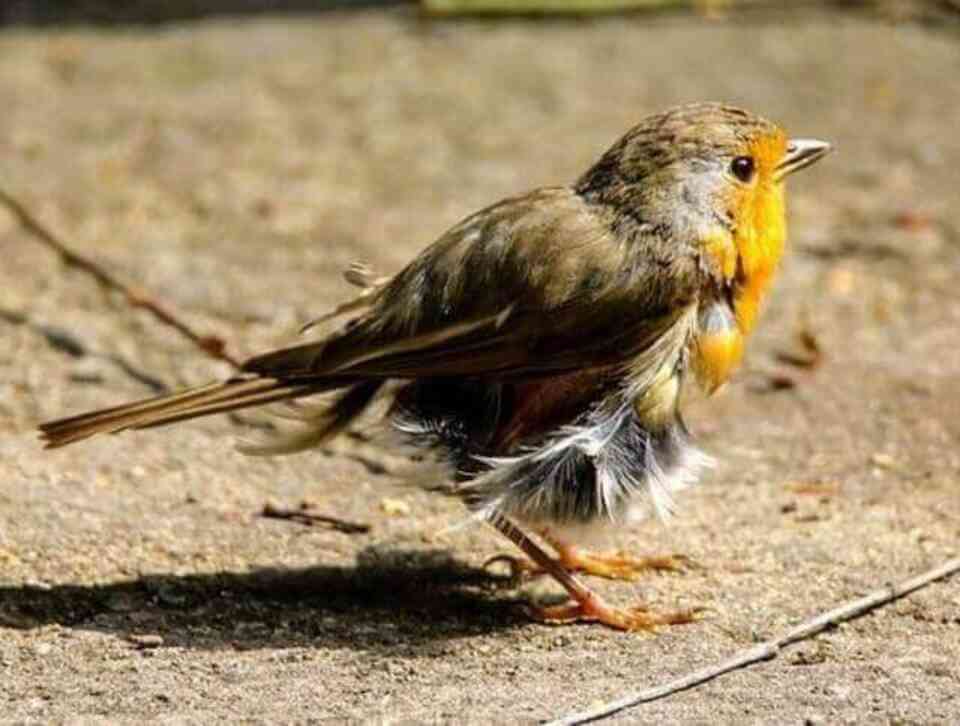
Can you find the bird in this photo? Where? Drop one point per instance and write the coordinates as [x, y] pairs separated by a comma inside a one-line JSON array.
[[544, 344]]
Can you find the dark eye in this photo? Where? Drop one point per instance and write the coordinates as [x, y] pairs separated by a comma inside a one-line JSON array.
[[742, 168]]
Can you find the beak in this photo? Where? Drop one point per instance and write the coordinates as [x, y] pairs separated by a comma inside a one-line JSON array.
[[801, 153]]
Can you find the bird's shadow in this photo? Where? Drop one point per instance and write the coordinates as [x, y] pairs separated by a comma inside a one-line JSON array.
[[409, 601]]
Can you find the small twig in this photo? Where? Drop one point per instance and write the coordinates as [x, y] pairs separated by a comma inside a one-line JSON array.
[[812, 354], [301, 516], [211, 345], [67, 343], [770, 649]]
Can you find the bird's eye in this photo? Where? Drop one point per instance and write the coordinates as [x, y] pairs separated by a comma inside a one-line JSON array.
[[742, 168]]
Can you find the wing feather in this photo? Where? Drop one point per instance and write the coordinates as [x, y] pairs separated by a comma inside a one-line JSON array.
[[531, 287]]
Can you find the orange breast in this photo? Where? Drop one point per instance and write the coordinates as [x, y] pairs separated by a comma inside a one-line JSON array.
[[719, 346], [760, 246], [747, 261]]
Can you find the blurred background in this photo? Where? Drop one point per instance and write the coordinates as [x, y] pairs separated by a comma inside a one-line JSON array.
[[139, 11], [230, 158]]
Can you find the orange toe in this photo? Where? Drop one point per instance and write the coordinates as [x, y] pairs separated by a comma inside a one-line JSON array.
[[595, 610]]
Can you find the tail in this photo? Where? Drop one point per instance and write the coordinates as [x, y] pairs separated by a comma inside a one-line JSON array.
[[230, 395]]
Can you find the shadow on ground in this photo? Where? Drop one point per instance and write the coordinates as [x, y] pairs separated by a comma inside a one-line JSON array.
[[387, 600]]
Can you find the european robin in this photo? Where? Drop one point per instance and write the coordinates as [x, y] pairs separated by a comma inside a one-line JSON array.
[[543, 342]]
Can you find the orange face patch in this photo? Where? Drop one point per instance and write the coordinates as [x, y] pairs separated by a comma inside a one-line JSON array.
[[761, 228]]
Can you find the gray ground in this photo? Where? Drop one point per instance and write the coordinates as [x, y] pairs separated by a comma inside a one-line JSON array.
[[235, 169]]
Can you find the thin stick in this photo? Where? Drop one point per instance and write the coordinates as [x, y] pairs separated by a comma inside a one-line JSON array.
[[308, 519], [211, 345], [770, 649]]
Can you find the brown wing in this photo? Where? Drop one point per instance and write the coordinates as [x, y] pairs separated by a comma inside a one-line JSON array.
[[531, 287]]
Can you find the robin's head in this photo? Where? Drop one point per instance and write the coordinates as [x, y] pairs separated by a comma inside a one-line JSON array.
[[701, 164], [711, 175]]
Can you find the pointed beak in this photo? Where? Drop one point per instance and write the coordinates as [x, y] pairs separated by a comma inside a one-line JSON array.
[[801, 153]]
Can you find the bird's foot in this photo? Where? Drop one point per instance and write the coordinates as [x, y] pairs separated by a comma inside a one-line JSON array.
[[612, 566], [596, 610], [585, 605], [618, 565]]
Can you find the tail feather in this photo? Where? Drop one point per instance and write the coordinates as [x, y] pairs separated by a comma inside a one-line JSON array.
[[280, 393], [127, 409], [204, 400], [317, 427]]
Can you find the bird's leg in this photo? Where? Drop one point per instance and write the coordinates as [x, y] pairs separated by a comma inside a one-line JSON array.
[[613, 566], [586, 605]]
